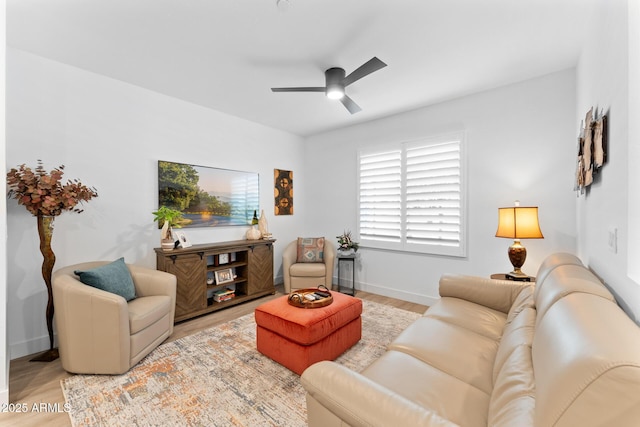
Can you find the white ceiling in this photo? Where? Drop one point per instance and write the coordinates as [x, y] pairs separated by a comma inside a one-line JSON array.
[[227, 54]]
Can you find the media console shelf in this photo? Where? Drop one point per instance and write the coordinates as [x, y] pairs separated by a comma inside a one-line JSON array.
[[251, 264]]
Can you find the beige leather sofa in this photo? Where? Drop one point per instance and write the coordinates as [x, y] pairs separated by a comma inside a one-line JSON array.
[[300, 275], [100, 332], [497, 353]]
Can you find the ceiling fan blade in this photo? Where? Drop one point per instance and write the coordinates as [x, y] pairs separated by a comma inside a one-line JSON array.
[[374, 64], [297, 89], [350, 104]]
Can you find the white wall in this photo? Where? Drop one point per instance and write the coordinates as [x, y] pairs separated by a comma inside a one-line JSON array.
[[633, 252], [4, 352], [603, 78], [110, 135], [520, 143]]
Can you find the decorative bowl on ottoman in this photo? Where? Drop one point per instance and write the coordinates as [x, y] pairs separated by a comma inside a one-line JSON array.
[[311, 297], [298, 337]]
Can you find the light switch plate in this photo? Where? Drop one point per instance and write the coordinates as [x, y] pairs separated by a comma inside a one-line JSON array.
[[612, 242]]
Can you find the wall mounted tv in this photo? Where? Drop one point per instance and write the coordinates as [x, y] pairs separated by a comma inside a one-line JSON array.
[[206, 196]]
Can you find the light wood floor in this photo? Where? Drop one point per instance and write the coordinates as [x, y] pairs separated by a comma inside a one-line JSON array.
[[39, 382]]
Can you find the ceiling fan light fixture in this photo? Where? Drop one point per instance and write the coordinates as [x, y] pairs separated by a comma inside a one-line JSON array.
[[335, 92], [334, 83]]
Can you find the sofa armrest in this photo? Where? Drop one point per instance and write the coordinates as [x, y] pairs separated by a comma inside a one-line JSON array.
[[349, 395], [290, 254], [496, 294], [150, 282], [289, 257], [329, 263]]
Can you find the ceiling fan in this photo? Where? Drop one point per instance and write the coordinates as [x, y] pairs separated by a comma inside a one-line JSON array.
[[336, 82]]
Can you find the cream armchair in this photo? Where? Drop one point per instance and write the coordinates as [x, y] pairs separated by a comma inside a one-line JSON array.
[[299, 275], [100, 332]]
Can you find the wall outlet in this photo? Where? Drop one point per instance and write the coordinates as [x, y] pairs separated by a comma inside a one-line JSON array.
[[612, 242]]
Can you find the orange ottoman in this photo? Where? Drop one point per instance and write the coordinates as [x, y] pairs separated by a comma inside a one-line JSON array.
[[299, 337]]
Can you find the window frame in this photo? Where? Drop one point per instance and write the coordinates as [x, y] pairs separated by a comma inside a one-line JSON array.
[[459, 251]]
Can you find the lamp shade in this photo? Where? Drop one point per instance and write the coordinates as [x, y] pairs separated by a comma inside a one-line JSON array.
[[518, 222]]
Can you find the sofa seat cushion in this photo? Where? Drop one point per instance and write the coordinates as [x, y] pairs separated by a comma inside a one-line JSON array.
[[477, 318], [146, 311], [149, 338], [459, 352], [431, 388], [307, 269]]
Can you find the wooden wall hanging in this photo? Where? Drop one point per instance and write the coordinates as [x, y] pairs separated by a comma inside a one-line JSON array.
[[283, 192], [592, 149]]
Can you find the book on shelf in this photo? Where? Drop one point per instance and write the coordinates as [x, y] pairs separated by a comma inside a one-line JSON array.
[[224, 295], [224, 298]]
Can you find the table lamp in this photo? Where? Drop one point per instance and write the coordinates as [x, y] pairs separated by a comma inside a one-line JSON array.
[[518, 222]]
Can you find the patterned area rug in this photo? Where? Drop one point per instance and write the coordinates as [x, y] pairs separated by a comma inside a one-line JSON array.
[[216, 377]]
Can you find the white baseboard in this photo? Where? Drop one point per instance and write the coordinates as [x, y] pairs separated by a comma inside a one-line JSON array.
[[395, 293], [33, 346], [4, 397], [278, 280]]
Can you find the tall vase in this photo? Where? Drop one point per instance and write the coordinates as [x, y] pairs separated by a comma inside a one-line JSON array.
[[45, 231], [263, 226]]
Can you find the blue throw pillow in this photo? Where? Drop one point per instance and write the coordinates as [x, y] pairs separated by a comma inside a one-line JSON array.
[[114, 277]]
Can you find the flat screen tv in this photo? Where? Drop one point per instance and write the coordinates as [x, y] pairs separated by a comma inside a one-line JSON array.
[[207, 196]]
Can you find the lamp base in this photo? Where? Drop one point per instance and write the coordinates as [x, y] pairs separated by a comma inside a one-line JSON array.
[[517, 256]]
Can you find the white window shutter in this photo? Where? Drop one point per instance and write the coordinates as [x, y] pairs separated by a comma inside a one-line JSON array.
[[411, 198], [380, 195], [433, 194]]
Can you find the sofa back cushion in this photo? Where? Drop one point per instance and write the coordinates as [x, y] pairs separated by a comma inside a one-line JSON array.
[[496, 294], [523, 301], [512, 400], [565, 280], [513, 396], [517, 333], [586, 360], [551, 263], [474, 317]]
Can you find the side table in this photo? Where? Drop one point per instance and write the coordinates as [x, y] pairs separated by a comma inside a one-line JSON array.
[[347, 274], [501, 276]]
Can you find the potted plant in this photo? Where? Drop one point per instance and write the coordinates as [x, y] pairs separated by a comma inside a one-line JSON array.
[[45, 196], [346, 244], [167, 219]]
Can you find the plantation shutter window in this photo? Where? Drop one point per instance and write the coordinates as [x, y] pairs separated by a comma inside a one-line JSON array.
[[411, 197], [381, 196]]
